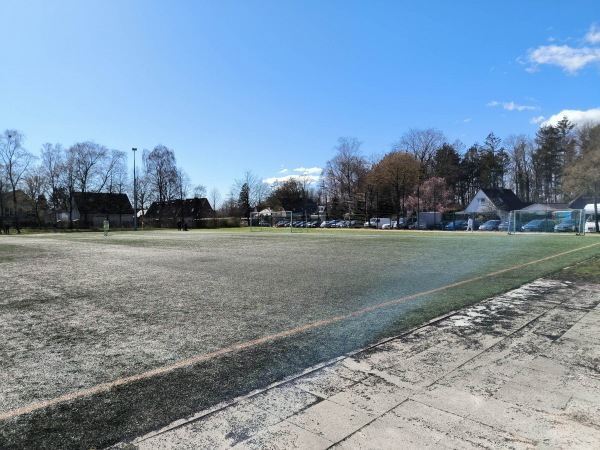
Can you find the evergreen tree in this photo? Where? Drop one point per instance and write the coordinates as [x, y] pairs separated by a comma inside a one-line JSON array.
[[548, 164], [244, 201]]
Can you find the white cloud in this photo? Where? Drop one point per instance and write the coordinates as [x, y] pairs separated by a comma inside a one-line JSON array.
[[593, 36], [538, 119], [309, 179], [512, 106], [569, 58], [310, 171], [575, 116], [310, 175]]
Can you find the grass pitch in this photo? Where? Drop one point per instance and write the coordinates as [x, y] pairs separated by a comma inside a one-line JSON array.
[[80, 310]]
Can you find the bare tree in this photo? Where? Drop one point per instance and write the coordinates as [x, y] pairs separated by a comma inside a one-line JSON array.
[[90, 166], [422, 144], [253, 187], [117, 180], [160, 171], [144, 193], [3, 191], [89, 162], [214, 197], [519, 172], [346, 172], [16, 161], [184, 183], [53, 160], [34, 183], [582, 174], [199, 191]]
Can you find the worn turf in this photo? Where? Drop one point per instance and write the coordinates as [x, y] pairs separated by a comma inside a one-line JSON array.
[[78, 310]]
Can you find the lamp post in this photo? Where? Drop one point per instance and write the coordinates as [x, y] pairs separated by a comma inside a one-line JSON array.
[[134, 193]]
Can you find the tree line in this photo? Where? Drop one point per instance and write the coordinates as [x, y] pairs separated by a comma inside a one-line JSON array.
[[421, 171], [51, 180]]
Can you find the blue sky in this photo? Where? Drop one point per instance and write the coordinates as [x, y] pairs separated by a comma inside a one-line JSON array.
[[269, 86]]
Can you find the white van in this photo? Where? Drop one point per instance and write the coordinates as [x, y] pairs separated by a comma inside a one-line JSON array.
[[590, 222], [379, 222]]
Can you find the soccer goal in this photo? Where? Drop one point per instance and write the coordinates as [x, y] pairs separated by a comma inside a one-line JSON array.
[[568, 221], [262, 220]]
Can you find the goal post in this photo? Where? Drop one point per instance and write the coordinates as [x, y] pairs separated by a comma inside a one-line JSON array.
[[547, 221], [261, 220]]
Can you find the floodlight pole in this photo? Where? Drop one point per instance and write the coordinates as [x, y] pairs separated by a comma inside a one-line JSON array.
[[134, 193]]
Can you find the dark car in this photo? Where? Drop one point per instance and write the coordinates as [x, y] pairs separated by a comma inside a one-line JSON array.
[[403, 223], [540, 225], [567, 225], [490, 225], [456, 225], [514, 226]]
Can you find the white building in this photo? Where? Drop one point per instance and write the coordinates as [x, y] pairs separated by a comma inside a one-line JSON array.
[[495, 201]]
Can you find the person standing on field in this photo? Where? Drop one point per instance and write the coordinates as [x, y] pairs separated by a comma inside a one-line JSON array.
[[470, 224], [106, 227]]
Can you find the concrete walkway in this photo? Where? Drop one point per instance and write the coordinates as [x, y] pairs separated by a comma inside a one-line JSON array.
[[521, 370]]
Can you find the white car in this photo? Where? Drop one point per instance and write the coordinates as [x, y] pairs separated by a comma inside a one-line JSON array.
[[590, 226]]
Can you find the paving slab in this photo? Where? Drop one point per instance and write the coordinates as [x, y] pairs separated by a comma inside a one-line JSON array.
[[284, 436], [470, 434], [373, 396], [331, 420], [517, 371]]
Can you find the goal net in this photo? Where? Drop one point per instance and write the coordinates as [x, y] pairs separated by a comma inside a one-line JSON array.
[[263, 220], [567, 221]]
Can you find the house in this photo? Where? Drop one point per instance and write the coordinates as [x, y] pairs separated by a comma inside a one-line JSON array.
[[90, 209], [495, 201], [28, 212], [190, 211]]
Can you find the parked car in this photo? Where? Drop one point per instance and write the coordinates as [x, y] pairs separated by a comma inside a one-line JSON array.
[[590, 226], [490, 225], [567, 225], [456, 225], [514, 226], [540, 225], [328, 224], [403, 223]]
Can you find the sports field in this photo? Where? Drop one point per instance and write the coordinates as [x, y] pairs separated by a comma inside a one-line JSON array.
[[104, 338]]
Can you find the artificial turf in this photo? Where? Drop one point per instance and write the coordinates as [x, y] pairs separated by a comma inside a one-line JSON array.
[[78, 310]]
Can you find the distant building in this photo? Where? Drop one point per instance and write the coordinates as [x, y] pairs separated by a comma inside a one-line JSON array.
[[190, 211], [28, 212], [495, 201], [91, 208]]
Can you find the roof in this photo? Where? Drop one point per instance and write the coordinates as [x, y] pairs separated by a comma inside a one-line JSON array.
[[192, 207], [504, 199], [102, 203], [580, 201], [547, 207]]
